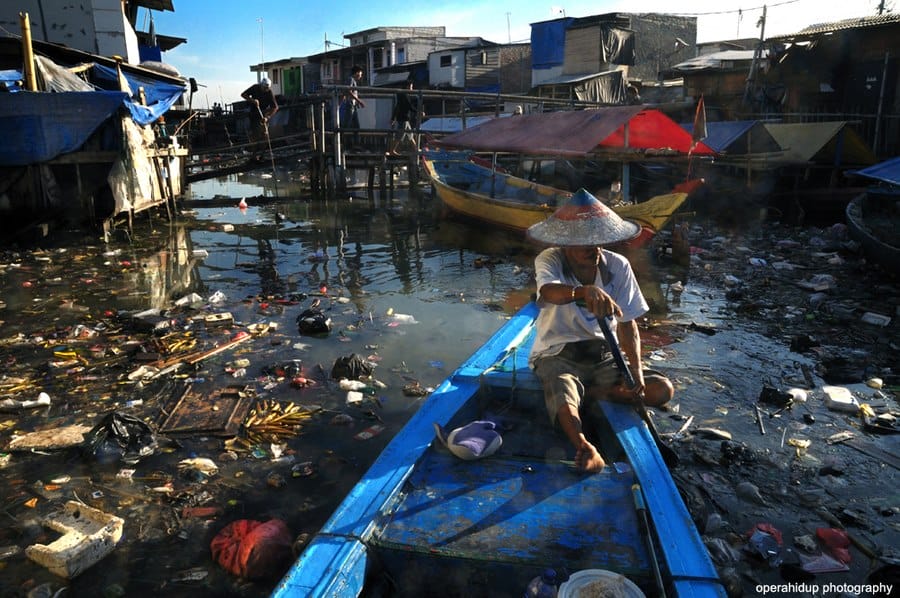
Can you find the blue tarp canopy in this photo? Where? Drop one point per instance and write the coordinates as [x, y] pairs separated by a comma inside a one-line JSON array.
[[160, 96], [737, 137], [888, 171], [8, 79], [39, 126], [548, 43]]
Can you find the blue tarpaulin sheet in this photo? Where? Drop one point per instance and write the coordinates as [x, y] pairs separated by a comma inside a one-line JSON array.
[[38, 126], [888, 171], [721, 134], [548, 43], [160, 96], [9, 78]]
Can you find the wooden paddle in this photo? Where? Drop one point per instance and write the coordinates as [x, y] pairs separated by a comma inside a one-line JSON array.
[[644, 521], [670, 457]]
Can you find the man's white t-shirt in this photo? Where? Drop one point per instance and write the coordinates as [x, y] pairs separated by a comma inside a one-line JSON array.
[[561, 324]]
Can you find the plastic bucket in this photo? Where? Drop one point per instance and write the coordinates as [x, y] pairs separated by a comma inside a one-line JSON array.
[[599, 583]]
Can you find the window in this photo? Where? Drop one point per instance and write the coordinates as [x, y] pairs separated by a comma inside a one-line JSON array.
[[401, 55], [447, 60]]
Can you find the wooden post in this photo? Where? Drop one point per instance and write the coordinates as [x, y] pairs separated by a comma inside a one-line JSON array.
[[27, 52], [313, 137], [413, 170], [337, 127], [322, 127]]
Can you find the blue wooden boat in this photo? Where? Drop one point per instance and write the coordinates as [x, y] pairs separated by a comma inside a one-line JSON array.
[[423, 522]]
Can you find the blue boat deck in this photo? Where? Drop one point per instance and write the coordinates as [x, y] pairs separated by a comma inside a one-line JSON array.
[[508, 518]]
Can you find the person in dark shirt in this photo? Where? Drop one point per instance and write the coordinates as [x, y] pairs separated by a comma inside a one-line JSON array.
[[404, 119], [349, 109], [263, 107]]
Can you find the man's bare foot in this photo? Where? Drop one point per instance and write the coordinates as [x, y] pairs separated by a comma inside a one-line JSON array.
[[587, 458]]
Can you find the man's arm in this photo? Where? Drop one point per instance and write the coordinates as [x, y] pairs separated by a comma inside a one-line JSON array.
[[271, 111], [595, 299], [351, 91]]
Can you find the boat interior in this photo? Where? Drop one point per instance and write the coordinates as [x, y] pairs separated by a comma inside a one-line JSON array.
[[488, 526]]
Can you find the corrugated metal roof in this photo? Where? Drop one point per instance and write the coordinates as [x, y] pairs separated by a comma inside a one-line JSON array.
[[578, 133], [843, 25], [714, 60], [564, 79]]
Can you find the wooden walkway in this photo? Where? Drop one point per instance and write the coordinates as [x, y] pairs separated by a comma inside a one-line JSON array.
[[323, 147]]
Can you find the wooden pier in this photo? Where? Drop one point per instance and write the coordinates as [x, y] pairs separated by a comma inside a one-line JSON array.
[[317, 138]]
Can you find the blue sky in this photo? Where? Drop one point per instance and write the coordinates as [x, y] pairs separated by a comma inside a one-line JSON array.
[[226, 37]]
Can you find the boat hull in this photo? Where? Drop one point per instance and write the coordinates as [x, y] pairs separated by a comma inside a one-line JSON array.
[[872, 220], [502, 200], [422, 521]]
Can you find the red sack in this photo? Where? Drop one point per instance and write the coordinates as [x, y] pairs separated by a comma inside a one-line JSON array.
[[837, 541], [253, 549]]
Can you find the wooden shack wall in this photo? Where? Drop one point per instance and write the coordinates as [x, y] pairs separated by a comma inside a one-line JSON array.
[[515, 69], [482, 67], [583, 53]]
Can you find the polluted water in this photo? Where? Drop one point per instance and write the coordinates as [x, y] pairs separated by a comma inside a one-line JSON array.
[[181, 379]]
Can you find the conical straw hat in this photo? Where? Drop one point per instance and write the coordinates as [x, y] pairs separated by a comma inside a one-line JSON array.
[[583, 221]]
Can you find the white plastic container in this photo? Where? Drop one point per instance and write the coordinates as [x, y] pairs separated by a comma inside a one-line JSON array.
[[88, 535], [875, 319], [597, 580], [797, 394], [839, 398], [404, 318], [346, 384]]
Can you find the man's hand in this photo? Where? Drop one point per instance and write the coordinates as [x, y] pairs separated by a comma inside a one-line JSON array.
[[600, 303]]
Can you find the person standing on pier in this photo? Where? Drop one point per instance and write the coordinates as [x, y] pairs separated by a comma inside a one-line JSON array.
[[263, 106], [404, 119], [352, 103]]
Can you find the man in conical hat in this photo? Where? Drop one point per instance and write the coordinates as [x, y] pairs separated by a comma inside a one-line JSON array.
[[579, 282]]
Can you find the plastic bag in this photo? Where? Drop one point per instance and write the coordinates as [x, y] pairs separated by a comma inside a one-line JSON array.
[[313, 321], [253, 549], [120, 436], [837, 541], [351, 367]]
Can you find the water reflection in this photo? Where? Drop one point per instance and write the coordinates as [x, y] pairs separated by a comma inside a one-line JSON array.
[[361, 258]]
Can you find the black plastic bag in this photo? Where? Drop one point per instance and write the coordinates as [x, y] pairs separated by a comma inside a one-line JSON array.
[[351, 368], [313, 321], [120, 436]]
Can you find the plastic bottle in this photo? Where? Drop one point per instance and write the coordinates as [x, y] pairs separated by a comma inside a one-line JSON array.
[[542, 586]]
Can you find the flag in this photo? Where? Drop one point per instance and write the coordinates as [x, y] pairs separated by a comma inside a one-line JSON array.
[[557, 10], [699, 133]]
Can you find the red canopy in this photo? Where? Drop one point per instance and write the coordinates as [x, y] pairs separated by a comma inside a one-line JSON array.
[[578, 133]]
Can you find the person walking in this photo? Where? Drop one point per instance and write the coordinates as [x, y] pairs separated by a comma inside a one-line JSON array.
[[263, 107], [579, 282], [352, 103], [404, 119]]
